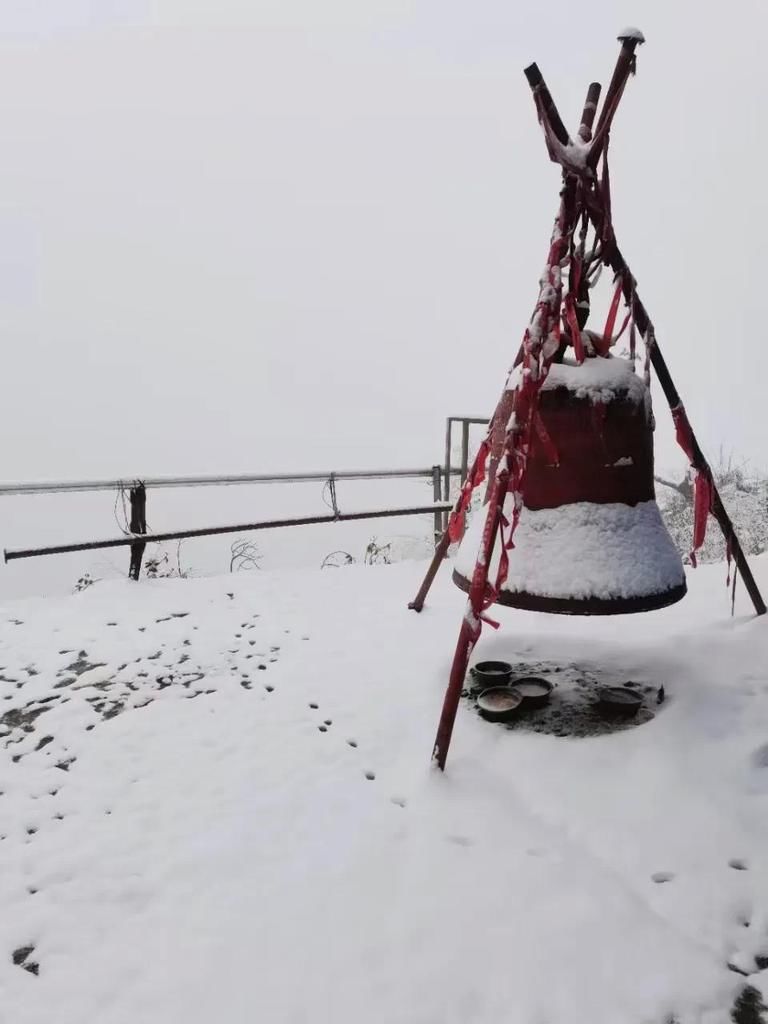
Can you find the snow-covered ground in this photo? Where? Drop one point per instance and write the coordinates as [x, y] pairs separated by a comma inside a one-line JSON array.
[[217, 805]]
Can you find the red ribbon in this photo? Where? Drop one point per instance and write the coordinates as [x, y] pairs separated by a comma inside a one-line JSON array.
[[573, 325], [604, 346], [702, 484], [456, 520], [702, 504], [550, 450]]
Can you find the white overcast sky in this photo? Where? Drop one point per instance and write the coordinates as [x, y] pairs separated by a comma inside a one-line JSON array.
[[284, 234]]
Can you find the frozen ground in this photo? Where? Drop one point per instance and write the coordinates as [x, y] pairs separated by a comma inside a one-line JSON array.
[[217, 805]]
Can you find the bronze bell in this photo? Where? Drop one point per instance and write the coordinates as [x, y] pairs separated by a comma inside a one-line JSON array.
[[590, 539]]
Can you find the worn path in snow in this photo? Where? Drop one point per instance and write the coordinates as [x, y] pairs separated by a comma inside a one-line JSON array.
[[216, 803]]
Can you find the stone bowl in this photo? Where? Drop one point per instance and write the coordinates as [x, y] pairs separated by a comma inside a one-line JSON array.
[[619, 701], [491, 673], [534, 691], [499, 703]]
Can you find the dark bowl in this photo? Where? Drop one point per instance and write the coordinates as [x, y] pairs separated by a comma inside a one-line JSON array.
[[534, 691], [491, 673], [499, 703], [619, 701]]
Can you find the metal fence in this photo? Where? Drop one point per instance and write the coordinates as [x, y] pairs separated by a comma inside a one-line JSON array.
[[137, 536]]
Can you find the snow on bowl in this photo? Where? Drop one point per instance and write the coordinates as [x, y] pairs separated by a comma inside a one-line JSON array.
[[535, 692], [498, 703]]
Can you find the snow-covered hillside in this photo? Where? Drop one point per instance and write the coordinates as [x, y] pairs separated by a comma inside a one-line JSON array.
[[216, 804]]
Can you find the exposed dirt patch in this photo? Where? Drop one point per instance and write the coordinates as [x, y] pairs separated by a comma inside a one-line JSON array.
[[573, 706]]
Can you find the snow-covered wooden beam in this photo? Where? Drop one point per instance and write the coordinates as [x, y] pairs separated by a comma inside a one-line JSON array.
[[545, 104], [590, 110], [630, 39]]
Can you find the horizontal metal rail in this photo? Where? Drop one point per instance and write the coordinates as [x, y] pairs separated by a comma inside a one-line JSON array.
[[69, 486], [211, 531]]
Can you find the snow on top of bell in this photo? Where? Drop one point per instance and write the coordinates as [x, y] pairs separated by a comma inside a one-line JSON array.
[[600, 379]]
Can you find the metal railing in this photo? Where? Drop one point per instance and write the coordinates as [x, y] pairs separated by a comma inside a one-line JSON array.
[[70, 486], [448, 470], [137, 536]]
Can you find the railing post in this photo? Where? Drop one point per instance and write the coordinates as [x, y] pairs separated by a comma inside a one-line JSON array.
[[447, 479], [464, 449], [138, 524], [436, 483]]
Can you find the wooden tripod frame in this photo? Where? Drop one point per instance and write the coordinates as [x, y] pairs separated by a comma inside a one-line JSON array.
[[578, 161]]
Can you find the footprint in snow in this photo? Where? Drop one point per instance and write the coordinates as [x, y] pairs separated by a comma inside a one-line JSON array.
[[738, 864], [662, 876], [21, 957], [736, 969], [398, 801], [459, 840]]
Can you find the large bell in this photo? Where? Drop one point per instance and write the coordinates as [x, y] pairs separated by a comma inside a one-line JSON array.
[[590, 539]]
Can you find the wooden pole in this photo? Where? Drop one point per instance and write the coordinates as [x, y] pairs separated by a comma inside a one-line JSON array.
[[619, 265], [467, 634], [545, 104], [517, 438], [625, 66], [590, 109], [138, 525], [440, 552]]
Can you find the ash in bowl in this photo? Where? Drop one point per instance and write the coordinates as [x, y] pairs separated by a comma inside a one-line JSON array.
[[497, 700], [498, 703]]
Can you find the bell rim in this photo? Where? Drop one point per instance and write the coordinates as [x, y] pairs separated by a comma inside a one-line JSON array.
[[525, 601]]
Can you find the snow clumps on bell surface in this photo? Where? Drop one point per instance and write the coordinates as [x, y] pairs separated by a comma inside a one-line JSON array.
[[599, 379]]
